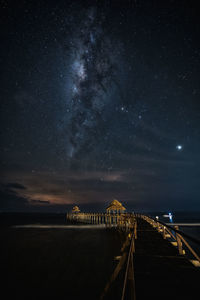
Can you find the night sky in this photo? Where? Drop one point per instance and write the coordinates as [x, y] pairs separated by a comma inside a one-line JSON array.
[[100, 100]]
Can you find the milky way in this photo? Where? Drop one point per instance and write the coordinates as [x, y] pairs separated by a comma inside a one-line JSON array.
[[93, 71], [99, 100]]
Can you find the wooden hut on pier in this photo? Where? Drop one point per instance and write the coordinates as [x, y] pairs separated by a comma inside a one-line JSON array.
[[115, 207], [75, 210]]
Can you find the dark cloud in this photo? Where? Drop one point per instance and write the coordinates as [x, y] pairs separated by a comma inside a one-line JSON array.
[[14, 185], [10, 200]]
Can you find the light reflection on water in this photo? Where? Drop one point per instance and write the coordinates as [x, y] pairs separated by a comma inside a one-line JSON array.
[[61, 226]]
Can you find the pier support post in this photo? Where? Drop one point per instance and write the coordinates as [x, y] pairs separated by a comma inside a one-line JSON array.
[[135, 229], [164, 232], [179, 242]]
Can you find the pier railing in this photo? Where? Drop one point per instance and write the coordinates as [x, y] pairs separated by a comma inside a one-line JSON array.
[[126, 222], [176, 237], [125, 262], [120, 220]]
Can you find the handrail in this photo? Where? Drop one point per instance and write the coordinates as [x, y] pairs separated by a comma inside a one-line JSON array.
[[129, 272], [128, 222], [178, 237], [195, 240], [119, 220], [130, 269], [190, 248]]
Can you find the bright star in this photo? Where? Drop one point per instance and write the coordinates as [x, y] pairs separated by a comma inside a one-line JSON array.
[[179, 147]]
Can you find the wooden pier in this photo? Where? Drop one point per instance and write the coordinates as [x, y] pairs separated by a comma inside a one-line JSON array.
[[125, 221], [162, 266], [156, 260]]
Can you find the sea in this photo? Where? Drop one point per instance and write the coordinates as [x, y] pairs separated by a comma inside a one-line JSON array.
[[42, 254], [188, 222]]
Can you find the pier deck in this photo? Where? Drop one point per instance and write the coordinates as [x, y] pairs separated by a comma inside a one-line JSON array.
[[160, 272]]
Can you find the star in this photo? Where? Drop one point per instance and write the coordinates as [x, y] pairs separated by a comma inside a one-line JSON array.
[[85, 102], [179, 147], [123, 109]]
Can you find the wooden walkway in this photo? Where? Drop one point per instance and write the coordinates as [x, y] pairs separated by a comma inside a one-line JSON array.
[[160, 272], [152, 268]]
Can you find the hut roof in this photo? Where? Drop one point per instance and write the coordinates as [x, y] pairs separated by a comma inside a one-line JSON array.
[[115, 205], [75, 209]]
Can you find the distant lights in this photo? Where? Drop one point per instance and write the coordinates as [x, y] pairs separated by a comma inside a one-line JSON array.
[[170, 217]]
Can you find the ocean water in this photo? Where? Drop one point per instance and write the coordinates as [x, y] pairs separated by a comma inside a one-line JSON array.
[[55, 260], [192, 219], [188, 222], [61, 260], [9, 219]]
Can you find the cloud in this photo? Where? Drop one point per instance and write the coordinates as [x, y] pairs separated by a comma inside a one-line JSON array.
[[10, 200], [64, 188], [15, 185], [142, 185]]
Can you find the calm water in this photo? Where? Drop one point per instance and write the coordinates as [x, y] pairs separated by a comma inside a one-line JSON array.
[[59, 260], [7, 219], [54, 260]]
